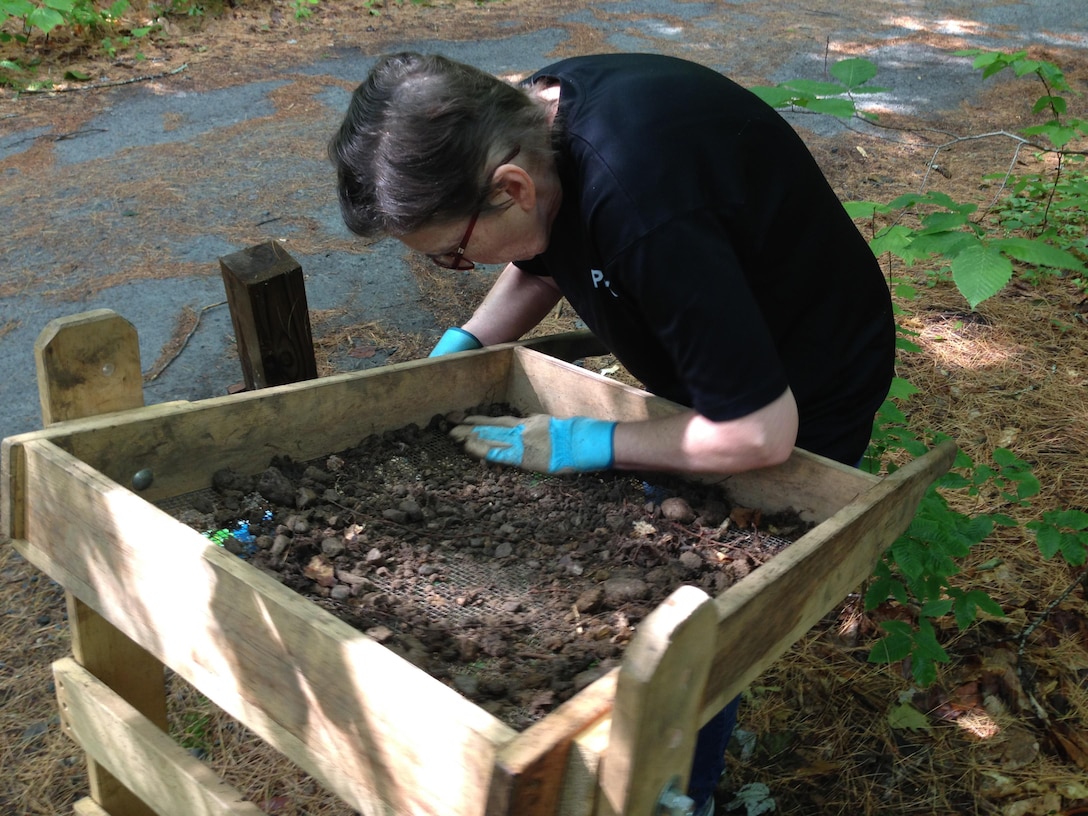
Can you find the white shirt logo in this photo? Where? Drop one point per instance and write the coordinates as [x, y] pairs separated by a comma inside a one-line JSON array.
[[599, 280]]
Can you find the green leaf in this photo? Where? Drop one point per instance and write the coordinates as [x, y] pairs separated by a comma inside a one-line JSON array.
[[861, 209], [946, 244], [853, 72], [774, 95], [980, 272], [1056, 102], [937, 609], [17, 8], [902, 389], [1073, 519], [842, 108], [906, 717], [1040, 253], [811, 87], [1049, 539], [44, 19], [926, 645], [1059, 135], [942, 222], [1074, 550], [77, 75], [894, 239], [890, 649]]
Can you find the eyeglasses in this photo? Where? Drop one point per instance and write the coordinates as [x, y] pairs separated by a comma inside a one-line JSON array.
[[456, 260]]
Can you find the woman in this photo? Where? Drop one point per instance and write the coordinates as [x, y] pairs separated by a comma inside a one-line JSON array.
[[683, 219]]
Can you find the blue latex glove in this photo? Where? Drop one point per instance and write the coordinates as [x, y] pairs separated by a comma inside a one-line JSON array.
[[455, 340], [540, 443]]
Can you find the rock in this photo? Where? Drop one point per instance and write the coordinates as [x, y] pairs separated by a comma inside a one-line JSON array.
[[227, 479], [316, 475], [275, 487], [618, 591], [394, 515], [340, 592], [465, 683], [468, 649], [411, 509], [332, 547], [677, 509], [504, 550], [380, 633], [279, 544], [590, 600], [691, 560], [305, 497]]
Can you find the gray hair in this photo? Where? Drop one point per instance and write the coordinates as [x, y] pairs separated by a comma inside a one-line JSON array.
[[416, 145]]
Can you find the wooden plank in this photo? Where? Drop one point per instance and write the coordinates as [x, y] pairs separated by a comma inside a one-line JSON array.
[[89, 364], [761, 616], [529, 770], [655, 719], [138, 753], [543, 384], [568, 346], [182, 444], [375, 730], [578, 796], [266, 294]]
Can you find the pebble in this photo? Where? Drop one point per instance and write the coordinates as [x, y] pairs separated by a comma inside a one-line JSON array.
[[466, 684], [305, 497], [618, 591], [691, 560], [332, 547], [340, 592], [677, 509], [279, 544], [590, 600]]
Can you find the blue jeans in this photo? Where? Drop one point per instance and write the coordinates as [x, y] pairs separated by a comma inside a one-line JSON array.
[[708, 764]]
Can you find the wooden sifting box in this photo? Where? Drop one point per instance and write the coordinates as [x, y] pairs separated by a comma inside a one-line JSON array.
[[146, 591]]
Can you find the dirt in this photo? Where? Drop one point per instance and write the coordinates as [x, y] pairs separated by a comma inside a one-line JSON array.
[[516, 589]]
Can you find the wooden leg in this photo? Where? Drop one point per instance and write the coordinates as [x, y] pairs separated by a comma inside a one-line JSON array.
[[90, 364]]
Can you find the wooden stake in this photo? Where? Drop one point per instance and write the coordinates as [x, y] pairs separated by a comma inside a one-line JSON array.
[[267, 299]]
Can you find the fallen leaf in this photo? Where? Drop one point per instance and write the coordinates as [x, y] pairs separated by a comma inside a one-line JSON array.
[[363, 352], [1074, 744], [746, 517], [906, 716]]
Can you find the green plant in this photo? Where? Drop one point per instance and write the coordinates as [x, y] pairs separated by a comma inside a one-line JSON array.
[[1065, 532], [302, 8], [835, 96], [979, 263], [46, 15]]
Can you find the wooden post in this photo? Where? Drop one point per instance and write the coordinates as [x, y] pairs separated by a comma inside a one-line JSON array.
[[89, 364], [658, 703], [267, 299]]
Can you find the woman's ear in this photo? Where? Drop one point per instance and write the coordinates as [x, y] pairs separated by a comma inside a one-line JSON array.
[[516, 182]]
